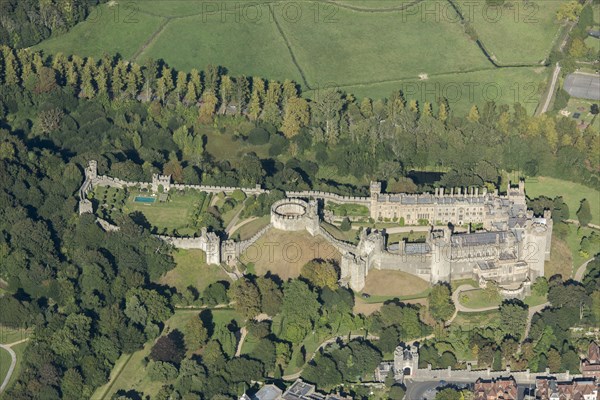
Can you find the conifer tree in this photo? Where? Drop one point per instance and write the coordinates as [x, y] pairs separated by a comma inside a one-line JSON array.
[[442, 112], [296, 116], [134, 80], [87, 81], [191, 96], [473, 114], [255, 107], [181, 84], [11, 67]]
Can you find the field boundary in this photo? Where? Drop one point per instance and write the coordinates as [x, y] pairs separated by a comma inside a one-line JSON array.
[[289, 47], [151, 39]]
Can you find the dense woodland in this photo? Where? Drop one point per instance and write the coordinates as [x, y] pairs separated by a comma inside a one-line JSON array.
[[28, 22], [90, 296], [140, 119]]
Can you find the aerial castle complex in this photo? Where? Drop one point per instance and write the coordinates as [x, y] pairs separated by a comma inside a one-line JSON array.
[[509, 247]]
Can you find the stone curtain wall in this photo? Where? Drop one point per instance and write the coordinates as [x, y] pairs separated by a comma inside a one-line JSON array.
[[366, 201]]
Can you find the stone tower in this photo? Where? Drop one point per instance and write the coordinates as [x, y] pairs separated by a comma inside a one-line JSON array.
[[441, 255], [353, 271], [91, 171], [161, 180]]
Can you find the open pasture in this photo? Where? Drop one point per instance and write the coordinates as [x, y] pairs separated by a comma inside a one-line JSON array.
[[365, 47]]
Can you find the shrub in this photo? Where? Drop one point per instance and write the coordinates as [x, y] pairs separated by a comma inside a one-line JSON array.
[[258, 136]]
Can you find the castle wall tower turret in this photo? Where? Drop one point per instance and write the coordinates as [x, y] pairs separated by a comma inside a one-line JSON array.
[[441, 252]]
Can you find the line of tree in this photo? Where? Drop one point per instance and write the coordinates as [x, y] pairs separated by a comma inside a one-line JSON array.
[[366, 139]]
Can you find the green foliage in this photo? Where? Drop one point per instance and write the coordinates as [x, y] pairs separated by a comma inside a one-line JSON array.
[[345, 226], [161, 371], [321, 274], [440, 302], [298, 321], [513, 318], [342, 363], [584, 214]]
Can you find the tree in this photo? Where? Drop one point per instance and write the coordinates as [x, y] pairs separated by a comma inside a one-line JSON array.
[[321, 274], [298, 321], [270, 295], [513, 318], [196, 333], [540, 286], [161, 371], [296, 116], [346, 225], [554, 360], [246, 296], [584, 214], [440, 302], [397, 392], [448, 394], [569, 11], [473, 114], [216, 293], [169, 348]]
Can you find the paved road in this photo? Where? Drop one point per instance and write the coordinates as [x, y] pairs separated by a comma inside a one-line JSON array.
[[552, 89], [295, 376], [532, 311], [460, 308], [13, 362], [581, 270]]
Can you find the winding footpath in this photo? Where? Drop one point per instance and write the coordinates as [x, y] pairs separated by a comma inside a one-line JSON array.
[[13, 362]]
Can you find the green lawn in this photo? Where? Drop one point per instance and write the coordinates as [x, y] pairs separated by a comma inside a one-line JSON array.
[[10, 335], [571, 192], [409, 236], [336, 232], [534, 300], [172, 214], [251, 228], [192, 270], [468, 321], [5, 361], [353, 210], [573, 240], [477, 299]]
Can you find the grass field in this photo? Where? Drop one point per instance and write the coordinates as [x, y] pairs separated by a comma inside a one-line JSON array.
[[192, 270], [5, 361], [336, 232], [322, 44], [247, 230], [469, 321], [393, 283], [571, 192], [10, 335], [561, 259], [285, 253], [477, 299], [533, 22], [172, 214]]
